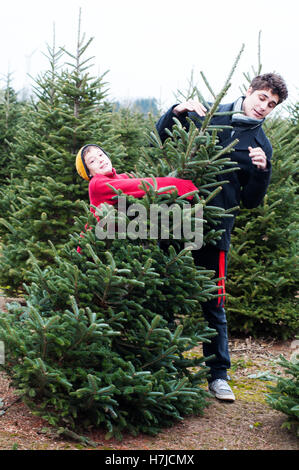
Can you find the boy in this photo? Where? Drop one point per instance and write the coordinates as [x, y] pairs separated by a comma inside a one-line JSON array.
[[94, 165]]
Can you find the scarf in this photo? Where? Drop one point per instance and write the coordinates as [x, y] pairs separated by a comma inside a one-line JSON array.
[[240, 120]]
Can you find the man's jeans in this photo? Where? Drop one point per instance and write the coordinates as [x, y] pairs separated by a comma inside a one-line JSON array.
[[212, 258]]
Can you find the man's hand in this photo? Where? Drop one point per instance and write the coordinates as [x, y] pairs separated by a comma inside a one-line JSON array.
[[190, 105], [258, 157]]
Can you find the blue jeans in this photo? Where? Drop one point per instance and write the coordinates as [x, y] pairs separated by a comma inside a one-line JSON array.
[[210, 257]]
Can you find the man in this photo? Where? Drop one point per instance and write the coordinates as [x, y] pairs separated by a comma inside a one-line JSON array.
[[247, 185]]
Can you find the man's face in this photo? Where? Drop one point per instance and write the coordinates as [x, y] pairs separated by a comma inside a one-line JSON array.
[[259, 103], [97, 162]]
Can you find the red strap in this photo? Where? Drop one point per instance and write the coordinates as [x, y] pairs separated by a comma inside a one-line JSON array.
[[221, 282]]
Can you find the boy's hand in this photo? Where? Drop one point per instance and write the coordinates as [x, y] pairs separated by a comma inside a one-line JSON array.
[[190, 106], [258, 157]]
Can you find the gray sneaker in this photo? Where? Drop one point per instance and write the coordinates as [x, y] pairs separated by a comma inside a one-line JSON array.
[[221, 390]]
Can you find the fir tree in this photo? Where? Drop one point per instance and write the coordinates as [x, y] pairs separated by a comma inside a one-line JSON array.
[[284, 396], [102, 341], [196, 155], [94, 346], [44, 193], [10, 114], [131, 127]]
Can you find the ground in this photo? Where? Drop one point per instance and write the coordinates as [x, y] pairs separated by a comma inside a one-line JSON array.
[[247, 424]]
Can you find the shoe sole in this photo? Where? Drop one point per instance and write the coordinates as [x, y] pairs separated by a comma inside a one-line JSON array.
[[222, 397]]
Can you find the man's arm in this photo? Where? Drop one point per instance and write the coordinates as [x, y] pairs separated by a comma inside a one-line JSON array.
[[258, 157], [179, 111], [255, 190], [190, 106]]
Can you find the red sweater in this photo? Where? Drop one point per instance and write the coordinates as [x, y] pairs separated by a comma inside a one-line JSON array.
[[100, 192]]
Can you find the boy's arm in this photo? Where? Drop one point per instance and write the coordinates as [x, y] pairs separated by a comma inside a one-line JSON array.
[[101, 192]]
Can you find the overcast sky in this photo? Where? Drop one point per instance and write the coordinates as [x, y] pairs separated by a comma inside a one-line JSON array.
[[150, 47]]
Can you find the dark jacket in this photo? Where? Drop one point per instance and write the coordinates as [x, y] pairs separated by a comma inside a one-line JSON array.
[[248, 184]]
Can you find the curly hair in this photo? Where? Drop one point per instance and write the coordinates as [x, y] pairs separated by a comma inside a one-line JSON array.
[[273, 82]]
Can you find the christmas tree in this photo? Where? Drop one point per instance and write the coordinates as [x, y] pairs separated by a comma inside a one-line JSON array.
[[102, 341], [11, 110], [44, 192], [94, 346], [131, 127], [285, 395]]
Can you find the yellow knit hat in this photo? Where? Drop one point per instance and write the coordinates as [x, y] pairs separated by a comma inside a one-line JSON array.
[[80, 164]]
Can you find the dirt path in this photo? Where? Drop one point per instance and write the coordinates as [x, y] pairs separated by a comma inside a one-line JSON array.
[[247, 424]]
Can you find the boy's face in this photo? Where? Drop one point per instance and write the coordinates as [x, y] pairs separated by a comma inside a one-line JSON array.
[[259, 103], [97, 162]]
